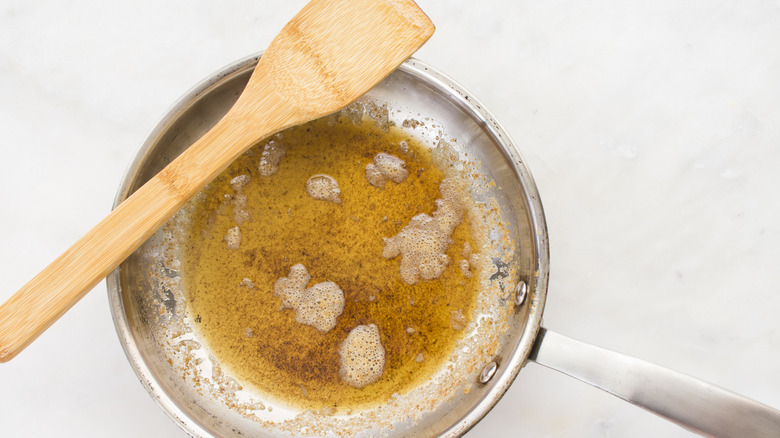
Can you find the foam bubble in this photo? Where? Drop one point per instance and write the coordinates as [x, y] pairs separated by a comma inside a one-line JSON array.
[[323, 187], [467, 251], [423, 243], [321, 306], [458, 320], [362, 356], [374, 176], [273, 151], [240, 213], [380, 114], [386, 167], [239, 182], [233, 238], [290, 289], [318, 306], [247, 283], [465, 268]]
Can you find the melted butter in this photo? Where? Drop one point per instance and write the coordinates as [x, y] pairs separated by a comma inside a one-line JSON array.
[[342, 243]]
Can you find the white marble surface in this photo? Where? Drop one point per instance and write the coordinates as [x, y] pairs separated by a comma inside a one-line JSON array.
[[652, 129]]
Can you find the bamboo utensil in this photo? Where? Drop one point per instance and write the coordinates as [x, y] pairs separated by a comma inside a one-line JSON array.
[[327, 56]]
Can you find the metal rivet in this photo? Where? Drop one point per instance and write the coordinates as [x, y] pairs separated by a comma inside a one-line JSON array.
[[488, 372], [521, 292]]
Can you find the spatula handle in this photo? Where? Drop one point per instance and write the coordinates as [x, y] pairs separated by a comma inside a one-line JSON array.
[[31, 310]]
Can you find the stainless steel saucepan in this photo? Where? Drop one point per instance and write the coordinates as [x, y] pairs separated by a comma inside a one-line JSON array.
[[176, 368]]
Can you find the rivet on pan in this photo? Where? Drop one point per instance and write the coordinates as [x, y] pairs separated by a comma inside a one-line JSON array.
[[488, 372], [521, 292]]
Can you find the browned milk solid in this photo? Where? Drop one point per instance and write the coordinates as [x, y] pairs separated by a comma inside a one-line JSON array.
[[231, 289]]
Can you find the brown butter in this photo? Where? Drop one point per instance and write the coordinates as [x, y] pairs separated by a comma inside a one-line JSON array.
[[294, 363]]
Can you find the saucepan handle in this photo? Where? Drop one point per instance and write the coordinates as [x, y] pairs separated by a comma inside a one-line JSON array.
[[689, 402]]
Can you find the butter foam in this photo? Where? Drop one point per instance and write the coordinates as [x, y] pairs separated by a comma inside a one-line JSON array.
[[362, 356], [318, 306], [423, 243], [386, 167], [324, 187]]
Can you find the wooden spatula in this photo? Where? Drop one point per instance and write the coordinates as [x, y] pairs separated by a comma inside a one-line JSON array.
[[331, 53]]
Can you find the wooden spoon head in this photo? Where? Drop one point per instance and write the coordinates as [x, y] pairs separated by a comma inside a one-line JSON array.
[[334, 51]]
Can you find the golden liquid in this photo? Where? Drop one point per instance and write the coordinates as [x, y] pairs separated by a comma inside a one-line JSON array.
[[342, 243]]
